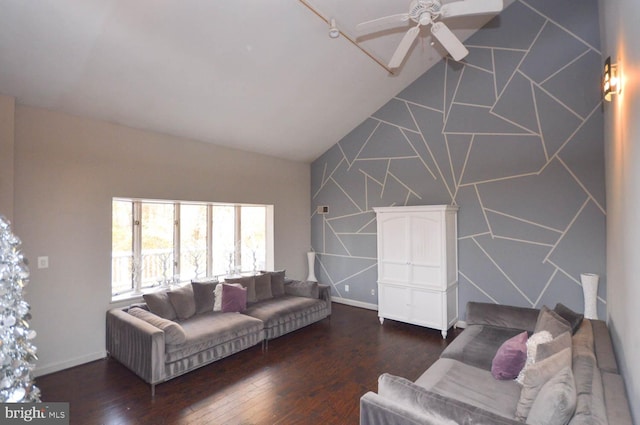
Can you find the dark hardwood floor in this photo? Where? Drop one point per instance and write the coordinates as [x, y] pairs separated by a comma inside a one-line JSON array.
[[315, 375]]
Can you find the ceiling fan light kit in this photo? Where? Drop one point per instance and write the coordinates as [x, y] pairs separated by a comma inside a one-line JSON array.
[[429, 12]]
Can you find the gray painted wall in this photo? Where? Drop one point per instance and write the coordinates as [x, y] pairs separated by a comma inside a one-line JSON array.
[[513, 135]]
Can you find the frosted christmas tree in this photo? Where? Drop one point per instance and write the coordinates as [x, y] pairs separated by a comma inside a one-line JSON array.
[[17, 352]]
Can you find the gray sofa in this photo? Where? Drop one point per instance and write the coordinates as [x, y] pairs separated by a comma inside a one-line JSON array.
[[459, 388], [158, 345]]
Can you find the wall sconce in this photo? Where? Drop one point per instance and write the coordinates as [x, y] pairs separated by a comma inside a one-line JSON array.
[[610, 80]]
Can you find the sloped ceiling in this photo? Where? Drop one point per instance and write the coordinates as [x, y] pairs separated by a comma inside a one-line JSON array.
[[261, 76]]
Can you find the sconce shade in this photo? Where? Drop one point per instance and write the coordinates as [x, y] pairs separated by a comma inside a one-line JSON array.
[[610, 81]]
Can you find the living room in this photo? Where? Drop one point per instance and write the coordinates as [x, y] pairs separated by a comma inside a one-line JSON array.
[[60, 173]]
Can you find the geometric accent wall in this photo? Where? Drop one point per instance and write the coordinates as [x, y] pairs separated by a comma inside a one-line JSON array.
[[513, 135]]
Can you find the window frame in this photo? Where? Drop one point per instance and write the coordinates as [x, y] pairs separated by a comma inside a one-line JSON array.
[[137, 290]]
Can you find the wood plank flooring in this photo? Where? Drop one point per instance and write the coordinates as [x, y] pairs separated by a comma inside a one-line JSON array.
[[315, 375]]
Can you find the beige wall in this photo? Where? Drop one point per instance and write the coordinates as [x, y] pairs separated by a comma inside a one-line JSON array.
[[620, 32], [7, 108], [67, 169]]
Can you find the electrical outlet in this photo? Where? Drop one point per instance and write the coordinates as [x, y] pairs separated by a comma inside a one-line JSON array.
[[346, 288], [373, 292], [43, 262]]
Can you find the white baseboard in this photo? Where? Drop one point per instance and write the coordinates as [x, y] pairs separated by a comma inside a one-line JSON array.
[[55, 367], [354, 303]]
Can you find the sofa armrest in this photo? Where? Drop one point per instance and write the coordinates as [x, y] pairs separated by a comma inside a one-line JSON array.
[[378, 410], [504, 316], [136, 344]]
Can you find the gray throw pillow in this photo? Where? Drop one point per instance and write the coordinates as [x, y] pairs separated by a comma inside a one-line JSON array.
[[549, 320], [277, 282], [159, 304], [183, 301], [173, 332], [203, 294], [249, 283], [574, 319], [554, 346], [536, 375], [556, 400], [263, 287]]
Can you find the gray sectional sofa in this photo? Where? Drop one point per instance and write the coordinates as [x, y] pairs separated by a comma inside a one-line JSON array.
[[460, 388], [177, 331]]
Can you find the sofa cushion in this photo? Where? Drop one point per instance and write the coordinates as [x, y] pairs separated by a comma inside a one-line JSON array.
[[207, 330], [477, 345], [158, 303], [439, 409], [536, 376], [249, 283], [471, 385], [574, 319], [173, 332], [277, 311], [263, 287], [203, 295], [510, 357], [549, 320], [556, 401], [234, 299], [183, 301]]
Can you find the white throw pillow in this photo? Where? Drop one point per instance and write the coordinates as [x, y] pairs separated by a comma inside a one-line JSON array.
[[532, 347]]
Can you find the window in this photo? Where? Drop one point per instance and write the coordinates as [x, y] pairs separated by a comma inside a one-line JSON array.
[[156, 243]]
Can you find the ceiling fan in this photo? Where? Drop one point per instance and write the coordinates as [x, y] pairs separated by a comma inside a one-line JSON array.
[[428, 12]]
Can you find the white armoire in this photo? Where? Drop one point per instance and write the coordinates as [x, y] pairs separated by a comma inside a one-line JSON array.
[[418, 265]]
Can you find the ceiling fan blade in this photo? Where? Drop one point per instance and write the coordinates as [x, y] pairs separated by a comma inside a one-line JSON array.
[[471, 7], [449, 41], [383, 23], [404, 46]]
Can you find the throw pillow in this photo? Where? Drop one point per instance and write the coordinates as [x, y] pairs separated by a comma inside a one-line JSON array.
[[234, 299], [532, 347], [574, 319], [277, 282], [510, 357], [557, 344], [536, 376], [263, 287], [249, 283], [556, 400], [217, 294], [203, 294], [159, 304], [173, 332], [183, 301], [549, 320]]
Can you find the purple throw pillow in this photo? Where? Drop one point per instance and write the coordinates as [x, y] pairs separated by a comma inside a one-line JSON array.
[[510, 357], [234, 299]]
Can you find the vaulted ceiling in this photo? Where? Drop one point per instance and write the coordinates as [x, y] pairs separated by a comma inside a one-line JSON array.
[[262, 76]]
